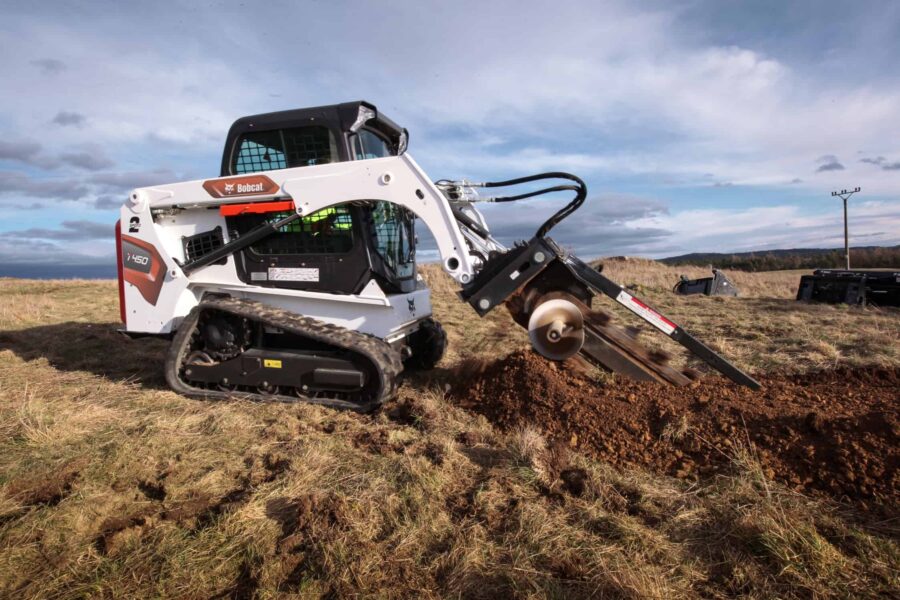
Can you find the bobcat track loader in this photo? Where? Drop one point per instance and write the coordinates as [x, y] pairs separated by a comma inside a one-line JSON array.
[[292, 276]]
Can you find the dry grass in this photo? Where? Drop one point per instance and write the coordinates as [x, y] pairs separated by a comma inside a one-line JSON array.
[[765, 328], [655, 276], [111, 485]]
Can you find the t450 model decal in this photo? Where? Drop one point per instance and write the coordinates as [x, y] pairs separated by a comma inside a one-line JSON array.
[[143, 267]]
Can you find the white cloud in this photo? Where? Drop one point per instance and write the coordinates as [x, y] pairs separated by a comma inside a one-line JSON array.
[[787, 226], [575, 73]]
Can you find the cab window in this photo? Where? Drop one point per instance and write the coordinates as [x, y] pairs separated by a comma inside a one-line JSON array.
[[392, 226], [371, 145], [284, 148]]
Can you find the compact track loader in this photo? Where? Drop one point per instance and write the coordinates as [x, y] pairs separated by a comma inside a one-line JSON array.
[[292, 276]]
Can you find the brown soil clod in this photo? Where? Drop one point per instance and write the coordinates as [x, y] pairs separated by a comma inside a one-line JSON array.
[[815, 422], [434, 453], [186, 511], [246, 585], [307, 523], [575, 481], [49, 491], [404, 412], [153, 490], [229, 502], [375, 441], [114, 528], [831, 433]]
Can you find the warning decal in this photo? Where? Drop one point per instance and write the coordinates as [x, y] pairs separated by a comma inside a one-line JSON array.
[[646, 313], [287, 274]]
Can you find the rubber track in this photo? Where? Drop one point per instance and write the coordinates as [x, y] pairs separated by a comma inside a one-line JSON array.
[[383, 358]]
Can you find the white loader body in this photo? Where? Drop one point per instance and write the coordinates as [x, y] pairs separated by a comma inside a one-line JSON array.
[[157, 294]]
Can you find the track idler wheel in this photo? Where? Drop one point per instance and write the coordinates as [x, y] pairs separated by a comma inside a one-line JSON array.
[[556, 328]]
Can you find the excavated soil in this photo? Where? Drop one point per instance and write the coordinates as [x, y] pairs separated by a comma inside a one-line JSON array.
[[833, 432]]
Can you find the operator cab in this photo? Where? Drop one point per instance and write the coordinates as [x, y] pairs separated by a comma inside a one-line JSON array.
[[338, 249]]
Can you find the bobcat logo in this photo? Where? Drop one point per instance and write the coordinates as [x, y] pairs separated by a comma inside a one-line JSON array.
[[411, 304], [229, 188]]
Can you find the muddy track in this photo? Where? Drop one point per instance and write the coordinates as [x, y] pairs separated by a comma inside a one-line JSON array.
[[835, 433]]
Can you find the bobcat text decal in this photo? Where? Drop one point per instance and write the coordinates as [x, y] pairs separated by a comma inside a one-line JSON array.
[[251, 185]]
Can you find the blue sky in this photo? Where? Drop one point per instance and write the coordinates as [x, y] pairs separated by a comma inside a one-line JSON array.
[[698, 126]]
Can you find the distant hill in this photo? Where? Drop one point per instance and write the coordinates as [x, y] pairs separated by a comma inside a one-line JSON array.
[[863, 257], [44, 271]]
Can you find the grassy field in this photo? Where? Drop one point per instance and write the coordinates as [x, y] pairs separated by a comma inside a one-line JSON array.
[[113, 486]]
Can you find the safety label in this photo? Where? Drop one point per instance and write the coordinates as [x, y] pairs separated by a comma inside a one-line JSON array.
[[271, 363], [289, 274], [645, 312]]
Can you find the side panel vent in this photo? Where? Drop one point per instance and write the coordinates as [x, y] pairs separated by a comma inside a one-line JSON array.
[[202, 244]]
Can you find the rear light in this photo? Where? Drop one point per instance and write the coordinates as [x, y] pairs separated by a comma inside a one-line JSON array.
[[119, 270]]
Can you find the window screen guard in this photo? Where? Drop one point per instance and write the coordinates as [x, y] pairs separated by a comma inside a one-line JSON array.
[[284, 148], [328, 231]]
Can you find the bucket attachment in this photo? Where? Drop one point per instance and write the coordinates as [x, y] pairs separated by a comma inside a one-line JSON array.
[[717, 285]]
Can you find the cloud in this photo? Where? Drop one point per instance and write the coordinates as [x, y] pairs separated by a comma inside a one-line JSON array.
[[28, 259], [637, 97], [20, 184], [108, 202], [49, 66], [104, 190], [603, 225], [829, 162], [66, 118], [758, 228], [611, 89], [127, 181], [882, 162], [69, 231], [89, 156], [23, 151], [91, 161]]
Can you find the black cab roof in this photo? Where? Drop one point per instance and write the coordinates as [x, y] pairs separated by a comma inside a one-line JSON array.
[[339, 118]]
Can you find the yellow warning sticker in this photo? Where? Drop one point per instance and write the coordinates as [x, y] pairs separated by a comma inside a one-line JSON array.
[[271, 363]]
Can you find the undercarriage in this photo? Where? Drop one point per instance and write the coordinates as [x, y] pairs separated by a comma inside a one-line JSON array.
[[231, 348]]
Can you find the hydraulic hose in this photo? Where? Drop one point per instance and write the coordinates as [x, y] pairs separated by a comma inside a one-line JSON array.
[[580, 190]]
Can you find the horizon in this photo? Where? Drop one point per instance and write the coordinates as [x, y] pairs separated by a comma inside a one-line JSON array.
[[107, 271], [698, 128]]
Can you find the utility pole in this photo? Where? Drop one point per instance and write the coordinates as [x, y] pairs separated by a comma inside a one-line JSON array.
[[845, 195]]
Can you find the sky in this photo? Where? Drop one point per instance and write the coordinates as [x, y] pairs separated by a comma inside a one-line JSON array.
[[699, 126]]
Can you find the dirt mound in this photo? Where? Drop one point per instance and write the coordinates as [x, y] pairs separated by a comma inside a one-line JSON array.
[[835, 432]]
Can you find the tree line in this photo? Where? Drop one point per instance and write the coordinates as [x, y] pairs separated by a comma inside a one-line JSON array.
[[860, 258]]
